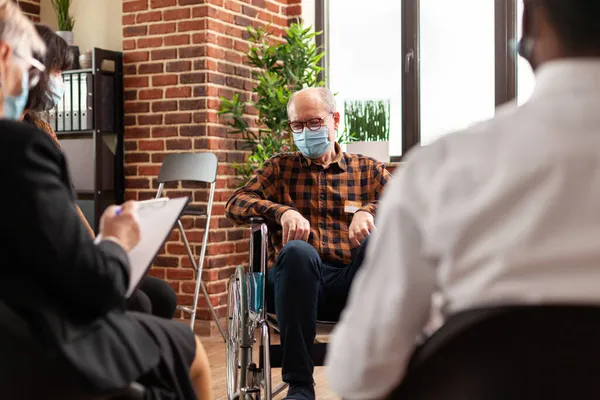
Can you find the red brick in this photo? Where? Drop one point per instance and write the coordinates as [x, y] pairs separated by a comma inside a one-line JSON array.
[[192, 130], [150, 42], [233, 57], [179, 66], [173, 119], [215, 52], [164, 80], [136, 133], [259, 3], [150, 119], [294, 10], [249, 11], [265, 16], [162, 3], [135, 57], [151, 94], [151, 16], [133, 6], [217, 2], [129, 69], [162, 106], [137, 183], [154, 68], [177, 92], [151, 145], [128, 19], [279, 20], [180, 274], [163, 261], [177, 40], [164, 131], [129, 95], [179, 144], [192, 25], [192, 52], [193, 105], [176, 14], [128, 44], [164, 54], [200, 12], [272, 7], [189, 2], [136, 107], [140, 30], [131, 158], [233, 6], [133, 82], [161, 29], [196, 77]]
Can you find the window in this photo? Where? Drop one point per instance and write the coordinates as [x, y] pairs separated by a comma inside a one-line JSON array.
[[365, 57], [444, 65], [457, 65]]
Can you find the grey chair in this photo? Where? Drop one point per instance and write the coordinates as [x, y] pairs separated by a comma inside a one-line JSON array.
[[28, 372], [193, 167]]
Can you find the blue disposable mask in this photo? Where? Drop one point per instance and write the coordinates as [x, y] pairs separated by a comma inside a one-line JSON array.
[[56, 91], [14, 106], [313, 144], [523, 47]]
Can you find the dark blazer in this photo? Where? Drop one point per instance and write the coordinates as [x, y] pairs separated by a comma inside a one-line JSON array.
[[69, 290]]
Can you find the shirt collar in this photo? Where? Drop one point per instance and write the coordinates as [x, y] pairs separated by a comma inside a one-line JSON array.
[[340, 158], [568, 75]]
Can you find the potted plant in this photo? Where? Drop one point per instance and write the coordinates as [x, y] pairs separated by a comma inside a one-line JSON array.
[[368, 126], [279, 69], [65, 19]]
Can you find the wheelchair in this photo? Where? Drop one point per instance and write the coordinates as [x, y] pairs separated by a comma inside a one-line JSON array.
[[250, 353]]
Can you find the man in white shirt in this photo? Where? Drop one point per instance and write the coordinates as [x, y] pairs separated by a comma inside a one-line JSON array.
[[506, 212]]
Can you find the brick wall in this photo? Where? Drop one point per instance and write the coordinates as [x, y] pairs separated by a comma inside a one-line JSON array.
[[31, 8], [180, 56]]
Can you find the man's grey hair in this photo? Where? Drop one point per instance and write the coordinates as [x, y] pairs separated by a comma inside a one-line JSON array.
[[326, 95], [18, 31]]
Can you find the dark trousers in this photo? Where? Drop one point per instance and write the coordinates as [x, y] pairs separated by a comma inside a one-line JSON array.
[[302, 288], [154, 296]]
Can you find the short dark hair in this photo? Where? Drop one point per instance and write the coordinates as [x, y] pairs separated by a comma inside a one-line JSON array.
[[58, 58], [575, 22]]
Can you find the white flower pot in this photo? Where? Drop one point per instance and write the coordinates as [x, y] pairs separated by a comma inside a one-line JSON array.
[[67, 37], [378, 150]]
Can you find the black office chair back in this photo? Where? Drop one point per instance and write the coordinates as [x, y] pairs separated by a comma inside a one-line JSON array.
[[528, 353], [28, 371]]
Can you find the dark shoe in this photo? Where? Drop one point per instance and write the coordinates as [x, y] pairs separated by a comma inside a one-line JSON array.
[[300, 392]]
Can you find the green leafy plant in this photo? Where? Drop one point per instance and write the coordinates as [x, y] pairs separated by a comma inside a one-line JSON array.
[[280, 68], [367, 121], [65, 19]]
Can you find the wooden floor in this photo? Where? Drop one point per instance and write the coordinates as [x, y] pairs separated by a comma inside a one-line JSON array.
[[215, 349]]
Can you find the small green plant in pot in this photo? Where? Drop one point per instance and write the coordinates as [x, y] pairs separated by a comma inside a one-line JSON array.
[[279, 69], [368, 125], [66, 22]]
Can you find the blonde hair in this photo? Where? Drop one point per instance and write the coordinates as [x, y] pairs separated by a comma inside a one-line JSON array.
[[18, 31]]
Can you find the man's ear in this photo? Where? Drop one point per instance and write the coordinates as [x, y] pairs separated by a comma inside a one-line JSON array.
[[336, 120]]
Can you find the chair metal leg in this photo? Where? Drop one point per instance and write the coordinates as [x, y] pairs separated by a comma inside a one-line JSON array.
[[199, 284], [266, 358]]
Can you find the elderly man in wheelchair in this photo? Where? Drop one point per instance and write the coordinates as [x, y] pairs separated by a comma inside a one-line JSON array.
[[319, 204]]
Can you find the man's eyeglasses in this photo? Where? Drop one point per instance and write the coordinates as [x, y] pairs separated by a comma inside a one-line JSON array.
[[313, 124], [36, 69]]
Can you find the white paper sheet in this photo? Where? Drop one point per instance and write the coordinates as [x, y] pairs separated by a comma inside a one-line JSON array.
[[157, 219]]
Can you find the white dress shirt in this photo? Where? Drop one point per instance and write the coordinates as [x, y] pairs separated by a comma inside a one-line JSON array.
[[506, 212]]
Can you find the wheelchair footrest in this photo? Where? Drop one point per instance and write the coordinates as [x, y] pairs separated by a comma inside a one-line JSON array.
[[319, 352]]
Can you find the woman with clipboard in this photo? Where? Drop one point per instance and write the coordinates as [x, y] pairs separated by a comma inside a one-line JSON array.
[[69, 292]]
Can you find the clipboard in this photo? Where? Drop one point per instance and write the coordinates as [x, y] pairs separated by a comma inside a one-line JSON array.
[[157, 219]]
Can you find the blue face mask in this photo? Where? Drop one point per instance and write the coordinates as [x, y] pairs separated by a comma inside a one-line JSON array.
[[56, 91], [14, 106], [313, 144]]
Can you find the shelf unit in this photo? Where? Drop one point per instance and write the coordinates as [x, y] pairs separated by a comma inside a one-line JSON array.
[[89, 126]]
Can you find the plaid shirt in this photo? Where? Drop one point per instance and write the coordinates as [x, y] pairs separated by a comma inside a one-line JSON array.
[[326, 197]]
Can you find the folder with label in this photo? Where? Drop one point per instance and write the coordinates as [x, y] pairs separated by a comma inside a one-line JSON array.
[[157, 219]]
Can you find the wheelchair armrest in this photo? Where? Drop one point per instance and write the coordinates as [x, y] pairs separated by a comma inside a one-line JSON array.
[[257, 220]]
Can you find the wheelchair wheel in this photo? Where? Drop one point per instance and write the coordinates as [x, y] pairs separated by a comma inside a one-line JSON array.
[[237, 334]]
